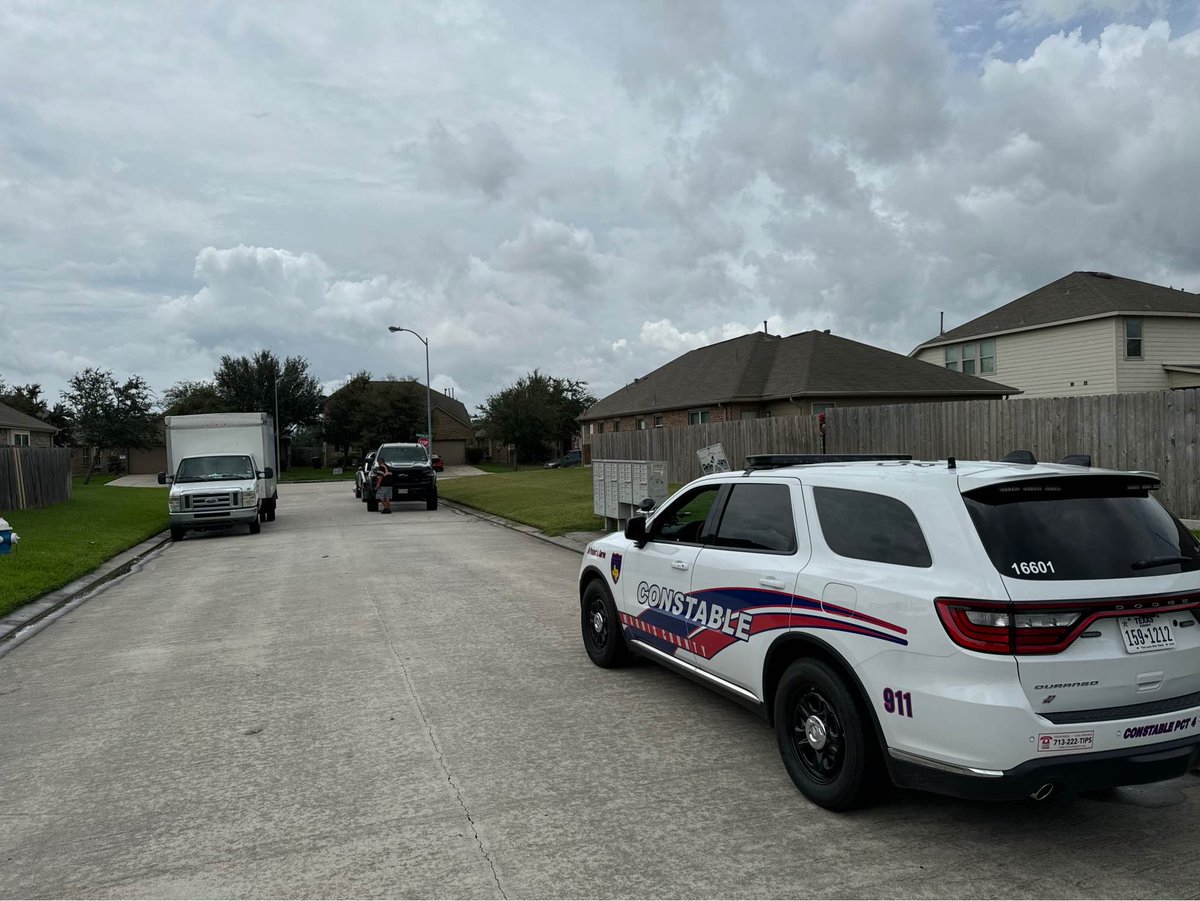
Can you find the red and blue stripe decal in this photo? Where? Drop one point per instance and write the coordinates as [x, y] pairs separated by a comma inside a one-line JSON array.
[[768, 611]]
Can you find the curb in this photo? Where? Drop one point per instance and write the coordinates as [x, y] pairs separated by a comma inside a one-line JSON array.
[[569, 544], [26, 621]]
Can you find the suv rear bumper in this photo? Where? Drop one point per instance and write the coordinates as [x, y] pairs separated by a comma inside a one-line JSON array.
[[1068, 774]]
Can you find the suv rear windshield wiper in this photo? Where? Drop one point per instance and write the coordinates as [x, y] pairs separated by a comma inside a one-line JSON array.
[[1151, 562]]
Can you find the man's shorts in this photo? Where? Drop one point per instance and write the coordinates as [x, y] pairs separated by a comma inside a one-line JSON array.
[[384, 493]]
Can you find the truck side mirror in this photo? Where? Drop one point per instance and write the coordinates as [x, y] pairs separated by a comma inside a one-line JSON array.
[[635, 530], [162, 478], [267, 473]]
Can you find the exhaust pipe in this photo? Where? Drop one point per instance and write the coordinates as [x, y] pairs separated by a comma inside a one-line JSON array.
[[1044, 792]]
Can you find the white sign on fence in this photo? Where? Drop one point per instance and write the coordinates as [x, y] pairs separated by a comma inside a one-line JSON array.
[[712, 459]]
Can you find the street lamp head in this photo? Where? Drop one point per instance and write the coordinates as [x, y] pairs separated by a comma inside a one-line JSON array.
[[395, 328]]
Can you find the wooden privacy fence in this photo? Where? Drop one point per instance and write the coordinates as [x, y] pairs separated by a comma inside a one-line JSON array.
[[32, 477], [1155, 431]]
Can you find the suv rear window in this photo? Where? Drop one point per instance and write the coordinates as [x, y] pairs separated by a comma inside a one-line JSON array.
[[1085, 527], [869, 526]]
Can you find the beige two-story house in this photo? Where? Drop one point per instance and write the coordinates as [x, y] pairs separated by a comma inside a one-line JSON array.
[[1087, 333]]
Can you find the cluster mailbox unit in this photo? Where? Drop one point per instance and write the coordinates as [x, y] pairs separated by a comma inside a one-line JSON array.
[[619, 486]]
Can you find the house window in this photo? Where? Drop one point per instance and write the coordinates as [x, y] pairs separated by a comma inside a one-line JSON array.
[[968, 359], [749, 414], [641, 423], [1133, 338], [821, 408], [952, 358], [658, 420], [20, 439], [987, 356], [696, 417], [599, 428], [616, 425]]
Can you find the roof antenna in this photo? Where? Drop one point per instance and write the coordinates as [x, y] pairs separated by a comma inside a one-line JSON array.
[[764, 326], [942, 322]]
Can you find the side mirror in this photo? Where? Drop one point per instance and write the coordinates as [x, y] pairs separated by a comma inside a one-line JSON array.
[[635, 530], [647, 505], [162, 478], [267, 473]]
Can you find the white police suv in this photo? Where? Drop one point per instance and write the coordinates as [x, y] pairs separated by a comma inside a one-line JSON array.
[[981, 629]]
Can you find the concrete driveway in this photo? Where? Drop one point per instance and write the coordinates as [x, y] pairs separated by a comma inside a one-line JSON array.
[[352, 704]]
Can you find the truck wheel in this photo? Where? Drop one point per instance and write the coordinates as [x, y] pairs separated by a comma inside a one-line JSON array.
[[826, 743], [372, 505], [603, 637], [271, 510], [431, 502], [262, 515], [255, 527], [176, 533]]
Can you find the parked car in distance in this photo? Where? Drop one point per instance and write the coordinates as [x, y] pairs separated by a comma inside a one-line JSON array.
[[438, 464], [413, 478], [362, 475], [570, 458]]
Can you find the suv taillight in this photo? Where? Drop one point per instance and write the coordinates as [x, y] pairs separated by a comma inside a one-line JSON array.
[[993, 627]]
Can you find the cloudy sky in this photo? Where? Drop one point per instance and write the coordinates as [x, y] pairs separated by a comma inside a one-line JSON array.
[[589, 188]]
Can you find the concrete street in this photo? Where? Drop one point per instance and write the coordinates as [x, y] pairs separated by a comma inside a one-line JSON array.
[[352, 704]]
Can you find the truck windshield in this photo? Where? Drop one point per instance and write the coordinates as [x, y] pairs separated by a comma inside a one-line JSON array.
[[391, 455], [1083, 527], [215, 468]]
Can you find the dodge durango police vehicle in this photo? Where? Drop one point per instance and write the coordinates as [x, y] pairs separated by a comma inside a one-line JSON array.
[[990, 630]]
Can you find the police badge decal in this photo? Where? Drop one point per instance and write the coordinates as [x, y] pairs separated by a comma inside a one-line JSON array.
[[616, 568]]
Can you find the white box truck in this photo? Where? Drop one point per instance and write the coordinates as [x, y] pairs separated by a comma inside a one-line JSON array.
[[221, 468]]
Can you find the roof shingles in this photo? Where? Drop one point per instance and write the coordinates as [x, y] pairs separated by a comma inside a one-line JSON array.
[[760, 367]]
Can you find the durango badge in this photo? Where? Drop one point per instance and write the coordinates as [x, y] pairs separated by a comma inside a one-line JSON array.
[[616, 568]]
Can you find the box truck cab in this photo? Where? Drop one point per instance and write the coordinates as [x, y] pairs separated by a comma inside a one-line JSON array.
[[221, 469]]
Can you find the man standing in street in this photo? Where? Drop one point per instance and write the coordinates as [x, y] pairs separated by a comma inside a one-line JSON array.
[[383, 486]]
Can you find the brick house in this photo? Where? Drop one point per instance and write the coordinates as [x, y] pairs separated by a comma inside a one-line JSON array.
[[760, 375], [18, 429]]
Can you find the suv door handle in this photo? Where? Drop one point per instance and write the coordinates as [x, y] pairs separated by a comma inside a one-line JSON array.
[[679, 564], [768, 582]]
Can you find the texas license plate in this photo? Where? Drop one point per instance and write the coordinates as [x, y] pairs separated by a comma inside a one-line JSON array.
[[402, 491], [1150, 632]]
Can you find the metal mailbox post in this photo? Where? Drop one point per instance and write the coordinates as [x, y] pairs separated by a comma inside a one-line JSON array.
[[619, 486]]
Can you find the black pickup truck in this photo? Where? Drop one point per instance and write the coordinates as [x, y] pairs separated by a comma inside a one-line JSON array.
[[412, 475]]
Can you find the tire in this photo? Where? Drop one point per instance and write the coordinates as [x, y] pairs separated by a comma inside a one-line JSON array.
[[271, 510], [826, 742], [176, 533], [262, 515], [255, 527], [357, 491], [603, 637], [431, 501], [372, 504]]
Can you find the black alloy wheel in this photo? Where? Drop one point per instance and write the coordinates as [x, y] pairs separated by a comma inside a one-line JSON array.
[[825, 738], [601, 628]]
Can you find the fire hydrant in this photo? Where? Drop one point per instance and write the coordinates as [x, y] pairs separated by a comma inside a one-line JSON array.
[[8, 538]]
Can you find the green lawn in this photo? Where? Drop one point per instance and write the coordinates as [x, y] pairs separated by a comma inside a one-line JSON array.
[[63, 542], [553, 500], [308, 474]]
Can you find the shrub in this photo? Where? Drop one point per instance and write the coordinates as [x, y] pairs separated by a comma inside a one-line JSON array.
[[474, 455]]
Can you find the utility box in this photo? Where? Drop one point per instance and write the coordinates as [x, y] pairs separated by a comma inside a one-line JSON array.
[[620, 486]]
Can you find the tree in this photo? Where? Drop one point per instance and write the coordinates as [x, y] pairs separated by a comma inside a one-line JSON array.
[[365, 413], [537, 413], [108, 414], [248, 384], [186, 398]]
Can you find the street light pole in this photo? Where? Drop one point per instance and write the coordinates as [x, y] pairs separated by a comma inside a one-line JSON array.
[[428, 391]]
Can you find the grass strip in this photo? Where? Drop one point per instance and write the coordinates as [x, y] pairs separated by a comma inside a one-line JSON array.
[[552, 500], [65, 541]]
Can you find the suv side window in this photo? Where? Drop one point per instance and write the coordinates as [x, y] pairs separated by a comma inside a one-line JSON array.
[[683, 521], [869, 526], [758, 518]]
